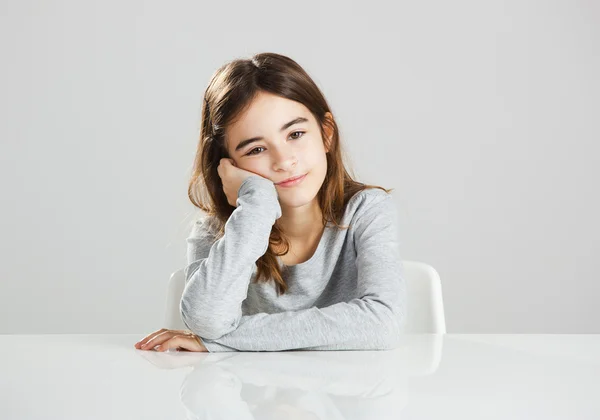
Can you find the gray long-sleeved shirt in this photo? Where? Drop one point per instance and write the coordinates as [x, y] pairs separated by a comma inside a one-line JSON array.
[[350, 295]]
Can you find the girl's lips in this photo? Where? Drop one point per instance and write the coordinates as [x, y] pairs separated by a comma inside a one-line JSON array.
[[293, 182]]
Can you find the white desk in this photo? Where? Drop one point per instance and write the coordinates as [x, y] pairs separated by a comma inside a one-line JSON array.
[[429, 377]]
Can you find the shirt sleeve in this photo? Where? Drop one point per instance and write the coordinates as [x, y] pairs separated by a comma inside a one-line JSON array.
[[372, 322], [219, 272]]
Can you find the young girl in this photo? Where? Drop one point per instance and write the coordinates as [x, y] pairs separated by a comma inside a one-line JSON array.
[[291, 252]]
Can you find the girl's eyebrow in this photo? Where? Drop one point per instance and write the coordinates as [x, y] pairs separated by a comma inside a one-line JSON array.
[[246, 142]]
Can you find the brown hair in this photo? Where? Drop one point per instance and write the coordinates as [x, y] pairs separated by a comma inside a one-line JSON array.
[[230, 91]]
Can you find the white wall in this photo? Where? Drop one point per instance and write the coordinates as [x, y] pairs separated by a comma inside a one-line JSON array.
[[482, 115]]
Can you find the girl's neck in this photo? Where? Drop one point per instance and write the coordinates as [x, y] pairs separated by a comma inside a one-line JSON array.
[[301, 223]]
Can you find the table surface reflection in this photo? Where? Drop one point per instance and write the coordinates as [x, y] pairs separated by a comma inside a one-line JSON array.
[[429, 376]]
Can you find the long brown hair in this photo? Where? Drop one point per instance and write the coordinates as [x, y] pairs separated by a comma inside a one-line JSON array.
[[230, 91]]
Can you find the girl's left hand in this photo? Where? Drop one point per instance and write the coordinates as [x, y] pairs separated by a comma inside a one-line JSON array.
[[164, 339]]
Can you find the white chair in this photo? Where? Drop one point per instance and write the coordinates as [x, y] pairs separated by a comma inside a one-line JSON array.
[[425, 306], [174, 292]]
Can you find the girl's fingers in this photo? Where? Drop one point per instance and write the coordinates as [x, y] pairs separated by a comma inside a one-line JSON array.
[[187, 342], [157, 338], [172, 343], [149, 337]]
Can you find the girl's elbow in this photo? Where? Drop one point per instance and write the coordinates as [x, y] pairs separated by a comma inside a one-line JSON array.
[[205, 324]]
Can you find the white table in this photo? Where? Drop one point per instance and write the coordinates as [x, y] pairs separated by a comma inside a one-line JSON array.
[[470, 376]]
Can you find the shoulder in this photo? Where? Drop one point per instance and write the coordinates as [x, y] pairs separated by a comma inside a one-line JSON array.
[[369, 202], [200, 240], [373, 217], [204, 227]]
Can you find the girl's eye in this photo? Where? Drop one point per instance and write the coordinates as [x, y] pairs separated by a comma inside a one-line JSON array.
[[251, 152], [301, 132]]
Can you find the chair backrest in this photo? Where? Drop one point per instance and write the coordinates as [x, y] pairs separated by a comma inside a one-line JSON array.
[[174, 292], [425, 306]]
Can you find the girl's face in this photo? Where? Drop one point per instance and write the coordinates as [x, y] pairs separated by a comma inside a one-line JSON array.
[[286, 142]]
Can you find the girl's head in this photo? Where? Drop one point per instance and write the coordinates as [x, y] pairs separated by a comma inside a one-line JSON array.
[[256, 99]]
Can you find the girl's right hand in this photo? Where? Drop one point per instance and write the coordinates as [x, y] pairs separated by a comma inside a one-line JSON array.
[[232, 178], [164, 339]]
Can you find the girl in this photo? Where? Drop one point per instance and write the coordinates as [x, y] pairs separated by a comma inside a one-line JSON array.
[[291, 253]]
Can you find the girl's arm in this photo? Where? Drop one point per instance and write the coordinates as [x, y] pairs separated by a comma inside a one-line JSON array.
[[374, 321], [211, 304]]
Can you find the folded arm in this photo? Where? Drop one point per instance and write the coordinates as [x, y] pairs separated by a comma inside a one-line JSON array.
[[371, 322], [219, 272]]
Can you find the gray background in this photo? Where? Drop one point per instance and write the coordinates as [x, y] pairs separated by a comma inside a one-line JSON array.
[[482, 115]]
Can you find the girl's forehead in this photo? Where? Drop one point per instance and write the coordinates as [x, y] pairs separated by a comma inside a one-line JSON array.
[[267, 111]]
